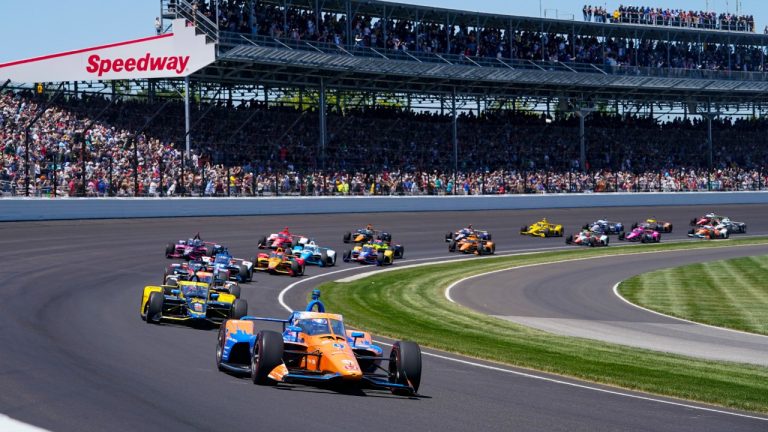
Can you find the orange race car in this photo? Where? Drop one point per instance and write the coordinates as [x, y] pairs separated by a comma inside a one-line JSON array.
[[314, 347], [472, 244], [280, 261]]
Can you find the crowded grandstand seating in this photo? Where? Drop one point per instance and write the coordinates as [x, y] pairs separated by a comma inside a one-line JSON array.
[[297, 24], [369, 151], [647, 15]]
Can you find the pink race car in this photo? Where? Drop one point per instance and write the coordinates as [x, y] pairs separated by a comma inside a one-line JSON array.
[[642, 235], [193, 249]]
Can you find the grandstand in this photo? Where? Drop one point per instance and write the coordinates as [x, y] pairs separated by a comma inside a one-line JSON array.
[[359, 96]]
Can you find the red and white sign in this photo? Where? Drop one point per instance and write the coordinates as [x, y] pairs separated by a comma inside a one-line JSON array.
[[171, 55]]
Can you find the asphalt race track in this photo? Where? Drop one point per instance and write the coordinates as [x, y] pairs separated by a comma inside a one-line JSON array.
[[575, 299], [77, 357]]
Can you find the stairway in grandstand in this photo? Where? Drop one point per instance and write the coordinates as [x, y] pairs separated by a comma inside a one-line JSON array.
[[183, 10]]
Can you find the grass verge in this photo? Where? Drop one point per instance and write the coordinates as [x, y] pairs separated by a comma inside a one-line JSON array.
[[731, 293], [409, 304]]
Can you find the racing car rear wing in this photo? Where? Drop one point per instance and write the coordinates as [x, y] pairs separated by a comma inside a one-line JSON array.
[[277, 320]]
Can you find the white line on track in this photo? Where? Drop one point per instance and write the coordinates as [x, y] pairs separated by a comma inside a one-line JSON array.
[[616, 292], [281, 300], [8, 424]]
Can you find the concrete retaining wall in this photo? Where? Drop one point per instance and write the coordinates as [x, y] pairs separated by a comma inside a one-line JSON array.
[[24, 209]]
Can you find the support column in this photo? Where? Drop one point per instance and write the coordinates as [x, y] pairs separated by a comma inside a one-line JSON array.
[[455, 137], [186, 115], [322, 112], [583, 113]]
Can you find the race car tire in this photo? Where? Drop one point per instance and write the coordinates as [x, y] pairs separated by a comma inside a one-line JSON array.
[[243, 273], [267, 354], [405, 367], [725, 234], [400, 252], [524, 229], [585, 226], [452, 246], [493, 249], [668, 229], [623, 236], [346, 256], [380, 258], [154, 308], [480, 249], [347, 237], [295, 268], [690, 231], [169, 250], [210, 251], [489, 236], [643, 239], [693, 222], [448, 237], [262, 243], [657, 239], [634, 225], [324, 259], [235, 290], [569, 239], [239, 309], [607, 240], [220, 346]]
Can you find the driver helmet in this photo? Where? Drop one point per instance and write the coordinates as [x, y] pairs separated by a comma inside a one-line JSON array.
[[320, 325]]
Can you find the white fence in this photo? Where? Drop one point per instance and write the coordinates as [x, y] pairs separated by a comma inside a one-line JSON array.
[[25, 209]]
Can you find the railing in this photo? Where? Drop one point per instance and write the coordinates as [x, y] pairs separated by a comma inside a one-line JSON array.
[[185, 10], [231, 40]]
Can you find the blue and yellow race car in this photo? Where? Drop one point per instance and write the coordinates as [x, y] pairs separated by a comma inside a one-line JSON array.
[[190, 302]]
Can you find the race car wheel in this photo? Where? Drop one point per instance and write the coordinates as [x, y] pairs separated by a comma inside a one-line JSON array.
[[400, 252], [623, 236], [243, 274], [569, 239], [668, 229], [493, 249], [657, 239], [725, 234], [524, 229], [380, 258], [405, 367], [294, 268], [643, 239], [235, 291], [346, 256], [634, 225], [239, 309], [452, 246], [220, 346], [169, 250], [448, 237], [489, 236], [607, 240], [154, 308], [324, 261], [267, 355], [690, 231], [210, 251], [347, 237], [693, 222], [262, 242]]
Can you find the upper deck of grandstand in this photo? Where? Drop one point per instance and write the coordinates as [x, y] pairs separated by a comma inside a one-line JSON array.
[[383, 46]]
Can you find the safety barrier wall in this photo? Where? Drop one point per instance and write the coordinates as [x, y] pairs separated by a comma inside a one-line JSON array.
[[25, 209]]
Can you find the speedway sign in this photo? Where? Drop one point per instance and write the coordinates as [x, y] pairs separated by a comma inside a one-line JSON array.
[[170, 55]]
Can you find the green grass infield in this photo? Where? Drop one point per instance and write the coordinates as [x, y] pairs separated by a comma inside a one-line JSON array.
[[410, 304], [730, 293]]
